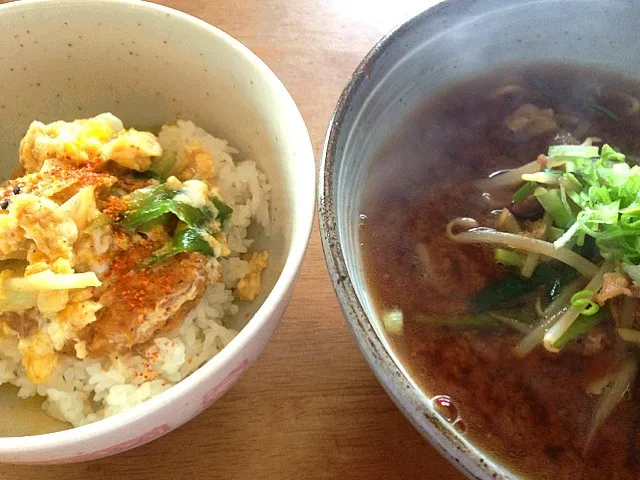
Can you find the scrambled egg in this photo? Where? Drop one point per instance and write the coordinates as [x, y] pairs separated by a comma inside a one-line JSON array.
[[101, 138], [43, 220], [37, 219], [38, 356], [195, 163], [250, 285], [68, 278]]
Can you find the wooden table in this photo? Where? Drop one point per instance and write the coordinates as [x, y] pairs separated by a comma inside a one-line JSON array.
[[309, 408]]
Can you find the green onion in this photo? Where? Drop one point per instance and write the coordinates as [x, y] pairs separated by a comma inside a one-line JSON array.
[[461, 321], [524, 192], [146, 175], [582, 302], [393, 321], [554, 233], [566, 276], [508, 257], [547, 177], [164, 164], [553, 204], [581, 325], [581, 151], [147, 195], [521, 327], [154, 204], [570, 182], [192, 240], [102, 220], [185, 239], [604, 110], [568, 236], [517, 318], [608, 153], [511, 287], [190, 215], [148, 204], [224, 210]]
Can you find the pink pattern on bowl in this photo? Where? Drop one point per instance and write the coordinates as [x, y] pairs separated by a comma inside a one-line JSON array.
[[119, 448], [216, 392]]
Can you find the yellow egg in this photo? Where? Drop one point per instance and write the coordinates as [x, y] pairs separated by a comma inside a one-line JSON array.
[[38, 357]]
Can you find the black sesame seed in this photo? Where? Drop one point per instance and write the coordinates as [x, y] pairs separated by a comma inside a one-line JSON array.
[[4, 204], [16, 190]]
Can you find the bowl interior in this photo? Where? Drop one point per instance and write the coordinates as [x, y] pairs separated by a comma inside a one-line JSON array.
[[449, 42], [147, 65]]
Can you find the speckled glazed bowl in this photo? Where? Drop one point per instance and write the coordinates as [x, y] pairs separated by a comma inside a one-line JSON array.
[[453, 40], [148, 65]]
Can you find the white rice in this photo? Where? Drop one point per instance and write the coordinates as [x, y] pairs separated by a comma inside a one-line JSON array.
[[83, 391]]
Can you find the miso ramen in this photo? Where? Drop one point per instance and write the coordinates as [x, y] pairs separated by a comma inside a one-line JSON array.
[[501, 244]]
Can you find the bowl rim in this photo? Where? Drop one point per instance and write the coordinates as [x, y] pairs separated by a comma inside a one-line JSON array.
[[301, 227], [467, 459]]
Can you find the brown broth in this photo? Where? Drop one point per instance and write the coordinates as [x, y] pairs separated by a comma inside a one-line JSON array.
[[531, 414]]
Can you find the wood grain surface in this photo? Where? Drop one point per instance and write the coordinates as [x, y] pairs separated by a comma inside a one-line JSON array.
[[309, 408]]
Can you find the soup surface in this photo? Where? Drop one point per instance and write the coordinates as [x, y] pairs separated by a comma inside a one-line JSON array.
[[533, 413]]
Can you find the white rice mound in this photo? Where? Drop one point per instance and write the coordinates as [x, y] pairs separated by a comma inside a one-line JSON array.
[[83, 391]]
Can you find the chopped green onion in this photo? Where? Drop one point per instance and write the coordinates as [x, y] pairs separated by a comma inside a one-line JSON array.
[[224, 210], [581, 151], [148, 204], [566, 238], [553, 204], [524, 192], [508, 257], [582, 302], [152, 205], [609, 154], [517, 318], [164, 164], [548, 177], [393, 321], [148, 195], [570, 182], [190, 215], [581, 325], [185, 239]]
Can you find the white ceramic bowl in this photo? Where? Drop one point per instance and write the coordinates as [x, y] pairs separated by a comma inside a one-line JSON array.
[[149, 64]]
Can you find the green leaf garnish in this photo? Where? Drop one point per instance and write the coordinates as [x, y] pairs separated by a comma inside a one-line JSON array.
[[524, 192], [224, 210], [186, 239], [597, 196]]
